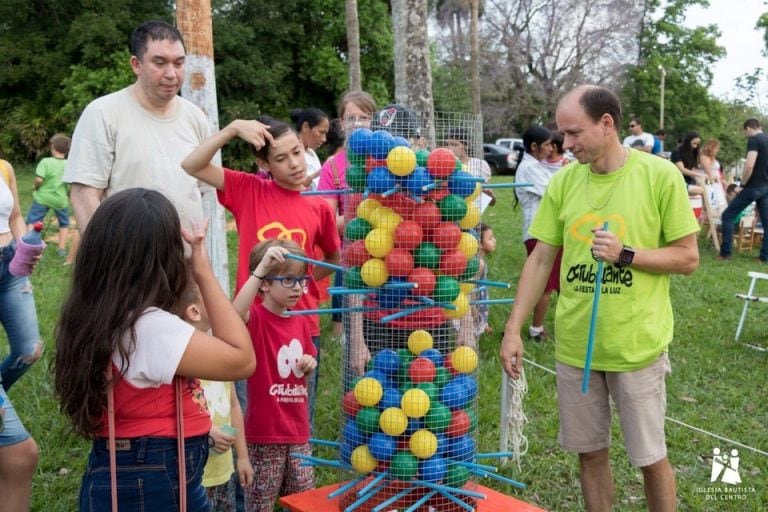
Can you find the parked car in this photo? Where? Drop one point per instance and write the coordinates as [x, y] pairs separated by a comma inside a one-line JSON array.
[[500, 159], [509, 143]]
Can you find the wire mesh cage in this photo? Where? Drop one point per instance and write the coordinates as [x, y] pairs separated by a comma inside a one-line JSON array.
[[409, 406]]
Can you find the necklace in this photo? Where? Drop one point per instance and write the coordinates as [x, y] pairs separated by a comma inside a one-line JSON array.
[[613, 188]]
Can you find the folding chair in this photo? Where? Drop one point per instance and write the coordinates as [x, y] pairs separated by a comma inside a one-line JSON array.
[[749, 297]]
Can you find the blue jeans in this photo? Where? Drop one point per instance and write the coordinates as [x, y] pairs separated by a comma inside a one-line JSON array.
[[12, 431], [37, 213], [19, 318], [147, 476], [758, 195]]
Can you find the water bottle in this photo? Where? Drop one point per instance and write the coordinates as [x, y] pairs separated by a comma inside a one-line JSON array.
[[2, 420], [27, 249]]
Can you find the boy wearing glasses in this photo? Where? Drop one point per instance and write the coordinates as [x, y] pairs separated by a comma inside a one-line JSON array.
[[277, 418], [637, 138]]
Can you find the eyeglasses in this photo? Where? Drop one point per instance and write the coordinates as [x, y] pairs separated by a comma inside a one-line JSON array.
[[632, 125], [357, 118], [289, 281]]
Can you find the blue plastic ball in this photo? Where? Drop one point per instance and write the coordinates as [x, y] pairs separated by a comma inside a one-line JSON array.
[[380, 180], [416, 180], [360, 141], [380, 376], [414, 424], [390, 398], [433, 355], [345, 452], [462, 448], [381, 143], [459, 186], [353, 435], [433, 469], [391, 298], [442, 444], [400, 141], [469, 384], [454, 395], [382, 446], [386, 361]]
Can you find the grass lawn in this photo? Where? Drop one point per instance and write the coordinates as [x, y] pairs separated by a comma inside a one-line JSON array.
[[717, 385]]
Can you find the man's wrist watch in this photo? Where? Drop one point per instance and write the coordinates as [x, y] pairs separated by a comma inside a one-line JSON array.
[[625, 257]]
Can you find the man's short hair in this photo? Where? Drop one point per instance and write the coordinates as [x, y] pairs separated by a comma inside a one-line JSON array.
[[752, 123], [636, 120], [154, 30], [661, 133], [597, 101]]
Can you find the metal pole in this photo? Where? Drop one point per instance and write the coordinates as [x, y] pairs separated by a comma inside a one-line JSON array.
[[661, 109]]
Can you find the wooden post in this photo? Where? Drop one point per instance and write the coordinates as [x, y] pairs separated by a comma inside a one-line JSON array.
[[195, 23], [353, 45]]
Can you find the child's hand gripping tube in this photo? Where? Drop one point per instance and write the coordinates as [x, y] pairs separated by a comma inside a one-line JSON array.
[[28, 248]]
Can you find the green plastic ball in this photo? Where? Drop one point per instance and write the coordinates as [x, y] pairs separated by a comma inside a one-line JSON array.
[[442, 375], [453, 208], [421, 157], [403, 465], [457, 476], [438, 417], [430, 389], [353, 279], [357, 178], [473, 266], [367, 419], [446, 289], [427, 255], [357, 229]]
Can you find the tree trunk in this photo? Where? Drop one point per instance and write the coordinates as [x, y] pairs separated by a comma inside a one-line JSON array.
[[474, 58], [413, 73], [194, 21], [353, 45]]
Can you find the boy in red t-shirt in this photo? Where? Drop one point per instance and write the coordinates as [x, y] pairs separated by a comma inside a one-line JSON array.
[[277, 420]]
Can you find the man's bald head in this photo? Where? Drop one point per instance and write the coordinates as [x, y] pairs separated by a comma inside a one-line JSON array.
[[596, 101]]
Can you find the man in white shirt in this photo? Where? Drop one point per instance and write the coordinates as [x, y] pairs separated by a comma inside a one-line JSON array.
[[138, 136], [637, 138]]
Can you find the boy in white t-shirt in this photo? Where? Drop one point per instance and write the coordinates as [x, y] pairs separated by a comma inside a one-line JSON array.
[[228, 429]]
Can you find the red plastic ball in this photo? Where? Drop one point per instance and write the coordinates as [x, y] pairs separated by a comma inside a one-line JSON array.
[[349, 403], [437, 194], [401, 203], [426, 214], [441, 162], [426, 280], [460, 423], [400, 262], [372, 163], [446, 235], [453, 263], [355, 254], [408, 235], [421, 370]]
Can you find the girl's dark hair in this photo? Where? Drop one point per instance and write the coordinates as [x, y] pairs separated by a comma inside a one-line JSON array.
[[335, 138], [131, 258], [557, 141], [483, 227], [535, 134], [277, 129], [312, 116], [688, 153]]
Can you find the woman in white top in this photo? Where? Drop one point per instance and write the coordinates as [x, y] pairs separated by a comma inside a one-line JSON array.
[[458, 142], [312, 125], [18, 451]]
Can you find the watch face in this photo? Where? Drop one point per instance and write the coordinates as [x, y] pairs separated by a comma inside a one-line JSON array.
[[626, 257]]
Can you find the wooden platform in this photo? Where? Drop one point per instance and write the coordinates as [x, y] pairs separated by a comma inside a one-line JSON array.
[[317, 500]]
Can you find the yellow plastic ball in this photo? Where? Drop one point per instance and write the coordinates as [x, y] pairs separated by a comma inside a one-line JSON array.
[[462, 307], [362, 460], [464, 359], [379, 241], [468, 245], [415, 403], [393, 421], [419, 341], [368, 391], [401, 161], [466, 288], [367, 207], [472, 218], [374, 272], [474, 195], [385, 218], [423, 444]]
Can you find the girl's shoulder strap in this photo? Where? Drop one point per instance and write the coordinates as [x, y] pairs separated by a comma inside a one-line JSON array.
[[5, 171], [335, 172]]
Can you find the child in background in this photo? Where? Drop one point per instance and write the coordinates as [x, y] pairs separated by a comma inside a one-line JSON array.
[[480, 311], [122, 316], [277, 421], [227, 429], [50, 192], [556, 158]]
